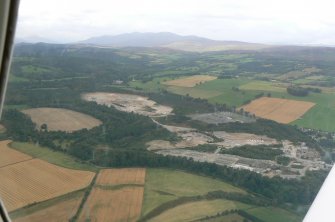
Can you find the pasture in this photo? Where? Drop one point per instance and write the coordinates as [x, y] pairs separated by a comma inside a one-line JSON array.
[[61, 119], [162, 185], [116, 196], [189, 81], [272, 214], [35, 180], [279, 110], [197, 209]]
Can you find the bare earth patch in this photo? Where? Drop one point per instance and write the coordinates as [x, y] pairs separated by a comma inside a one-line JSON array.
[[35, 180], [112, 204], [240, 139], [189, 139], [190, 81], [279, 110], [61, 119], [129, 103]]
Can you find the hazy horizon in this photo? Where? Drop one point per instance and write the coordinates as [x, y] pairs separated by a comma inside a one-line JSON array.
[[270, 22]]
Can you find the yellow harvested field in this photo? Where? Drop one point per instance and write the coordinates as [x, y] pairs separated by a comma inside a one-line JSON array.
[[115, 204], [35, 180], [279, 110], [58, 212], [61, 119], [121, 176], [10, 156], [190, 81]]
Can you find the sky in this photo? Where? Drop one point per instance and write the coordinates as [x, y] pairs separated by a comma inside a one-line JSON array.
[[261, 21]]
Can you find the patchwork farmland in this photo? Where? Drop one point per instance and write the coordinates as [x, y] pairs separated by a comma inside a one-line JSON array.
[[280, 110], [61, 119], [116, 196], [26, 180], [55, 211]]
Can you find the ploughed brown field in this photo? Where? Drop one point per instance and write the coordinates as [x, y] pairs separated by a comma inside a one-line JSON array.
[[61, 119], [59, 212], [117, 196], [121, 176], [279, 110], [9, 156], [25, 180], [190, 81]]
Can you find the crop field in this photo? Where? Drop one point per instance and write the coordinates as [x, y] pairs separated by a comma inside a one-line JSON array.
[[190, 81], [116, 196], [121, 176], [35, 180], [194, 92], [53, 211], [198, 209], [129, 103], [263, 86], [113, 205], [218, 91], [61, 119], [9, 156], [51, 156], [162, 185], [280, 110], [228, 95]]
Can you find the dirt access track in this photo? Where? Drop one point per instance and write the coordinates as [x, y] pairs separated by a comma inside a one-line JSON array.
[[129, 103], [279, 110], [61, 119]]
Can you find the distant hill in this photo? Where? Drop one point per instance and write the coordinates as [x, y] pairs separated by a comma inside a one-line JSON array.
[[34, 39], [170, 40]]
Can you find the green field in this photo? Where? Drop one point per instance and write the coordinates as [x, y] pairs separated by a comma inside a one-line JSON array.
[[227, 218], [263, 86], [164, 185], [274, 214], [13, 78], [154, 85], [220, 91], [198, 209], [54, 157]]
